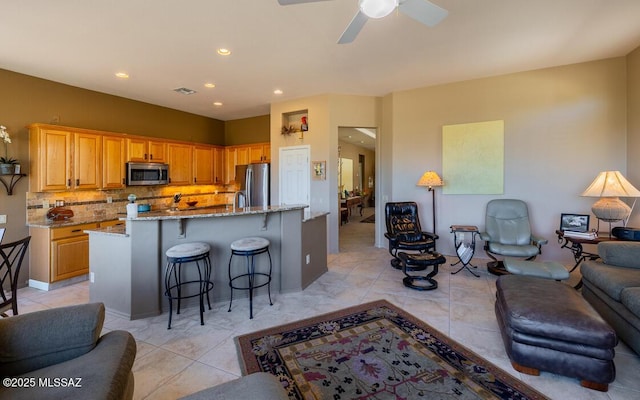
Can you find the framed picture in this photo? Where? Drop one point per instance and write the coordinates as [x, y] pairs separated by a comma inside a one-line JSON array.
[[574, 222], [319, 170]]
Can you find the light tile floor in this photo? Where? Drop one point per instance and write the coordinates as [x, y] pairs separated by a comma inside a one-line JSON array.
[[191, 357]]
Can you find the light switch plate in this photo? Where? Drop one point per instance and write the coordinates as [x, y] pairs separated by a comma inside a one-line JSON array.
[[3, 219]]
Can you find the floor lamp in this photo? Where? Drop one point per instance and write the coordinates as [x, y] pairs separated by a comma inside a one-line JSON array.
[[430, 179]]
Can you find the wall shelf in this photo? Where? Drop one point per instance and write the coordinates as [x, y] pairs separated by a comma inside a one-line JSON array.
[[9, 183]]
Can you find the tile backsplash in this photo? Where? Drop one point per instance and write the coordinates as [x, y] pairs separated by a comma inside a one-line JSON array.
[[94, 203]]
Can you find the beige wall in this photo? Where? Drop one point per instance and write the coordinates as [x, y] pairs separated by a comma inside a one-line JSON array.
[[247, 130], [562, 126], [633, 127], [326, 113]]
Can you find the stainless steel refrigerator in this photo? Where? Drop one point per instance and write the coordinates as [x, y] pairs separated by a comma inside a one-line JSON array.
[[254, 184]]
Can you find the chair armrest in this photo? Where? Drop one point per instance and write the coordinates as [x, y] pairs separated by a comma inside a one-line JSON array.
[[429, 235], [104, 372], [42, 338], [485, 236], [538, 240]]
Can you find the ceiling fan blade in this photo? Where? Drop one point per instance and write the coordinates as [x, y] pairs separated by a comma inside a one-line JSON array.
[[355, 26], [289, 2], [423, 11]]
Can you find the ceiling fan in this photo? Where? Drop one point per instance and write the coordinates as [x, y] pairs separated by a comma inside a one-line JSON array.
[[422, 11]]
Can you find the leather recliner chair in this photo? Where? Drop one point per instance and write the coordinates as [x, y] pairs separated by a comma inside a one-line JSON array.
[[508, 233], [404, 231]]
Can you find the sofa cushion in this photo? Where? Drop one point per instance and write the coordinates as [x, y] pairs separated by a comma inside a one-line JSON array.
[[256, 386], [630, 298], [70, 332], [620, 253], [610, 279]]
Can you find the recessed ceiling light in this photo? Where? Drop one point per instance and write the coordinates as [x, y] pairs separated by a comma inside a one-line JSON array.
[[217, 104], [210, 85], [122, 75], [224, 52], [277, 91]]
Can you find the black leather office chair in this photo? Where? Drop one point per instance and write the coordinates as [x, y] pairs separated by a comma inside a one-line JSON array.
[[11, 256], [508, 233], [404, 231]]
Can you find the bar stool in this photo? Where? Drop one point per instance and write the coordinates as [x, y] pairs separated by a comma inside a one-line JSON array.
[[250, 247], [195, 252]]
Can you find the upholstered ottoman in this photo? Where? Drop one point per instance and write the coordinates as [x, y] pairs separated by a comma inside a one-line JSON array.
[[420, 261], [547, 326], [541, 269]]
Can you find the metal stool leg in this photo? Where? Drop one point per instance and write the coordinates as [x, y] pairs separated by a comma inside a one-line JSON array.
[[230, 283], [269, 283]]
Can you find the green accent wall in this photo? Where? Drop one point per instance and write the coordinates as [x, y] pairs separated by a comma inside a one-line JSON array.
[[247, 130]]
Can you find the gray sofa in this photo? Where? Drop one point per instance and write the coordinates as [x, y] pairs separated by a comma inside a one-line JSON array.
[[47, 354], [612, 286], [256, 386]]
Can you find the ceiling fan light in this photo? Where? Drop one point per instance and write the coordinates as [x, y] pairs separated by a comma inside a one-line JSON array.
[[377, 8]]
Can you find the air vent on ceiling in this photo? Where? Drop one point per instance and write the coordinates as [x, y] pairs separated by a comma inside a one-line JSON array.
[[184, 90]]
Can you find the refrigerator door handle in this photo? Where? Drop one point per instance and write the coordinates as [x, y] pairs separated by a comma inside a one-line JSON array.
[[249, 187]]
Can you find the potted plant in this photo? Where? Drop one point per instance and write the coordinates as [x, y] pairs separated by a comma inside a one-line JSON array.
[[7, 164]]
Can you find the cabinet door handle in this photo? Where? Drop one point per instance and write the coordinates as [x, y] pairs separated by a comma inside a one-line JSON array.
[[68, 182], [77, 182], [77, 230], [123, 181], [150, 156], [195, 180], [145, 156]]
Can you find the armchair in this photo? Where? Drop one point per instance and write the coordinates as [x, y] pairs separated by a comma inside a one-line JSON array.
[[508, 233], [404, 231], [65, 343]]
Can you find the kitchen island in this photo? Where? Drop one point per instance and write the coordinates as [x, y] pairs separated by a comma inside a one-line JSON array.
[[127, 263]]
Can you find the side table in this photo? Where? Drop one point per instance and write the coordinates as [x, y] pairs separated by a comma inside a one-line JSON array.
[[574, 244], [465, 248]]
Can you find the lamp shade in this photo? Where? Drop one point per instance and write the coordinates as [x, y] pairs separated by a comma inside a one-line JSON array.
[[430, 179], [609, 185]]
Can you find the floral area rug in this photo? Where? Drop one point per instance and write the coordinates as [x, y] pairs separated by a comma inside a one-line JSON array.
[[374, 351]]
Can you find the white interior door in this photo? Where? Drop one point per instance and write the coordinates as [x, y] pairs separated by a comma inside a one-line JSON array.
[[295, 175]]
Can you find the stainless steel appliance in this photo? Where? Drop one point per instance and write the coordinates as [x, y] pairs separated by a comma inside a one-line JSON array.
[[141, 174], [254, 184]]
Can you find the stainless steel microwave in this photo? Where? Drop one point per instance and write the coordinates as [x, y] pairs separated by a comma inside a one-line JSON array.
[[143, 174]]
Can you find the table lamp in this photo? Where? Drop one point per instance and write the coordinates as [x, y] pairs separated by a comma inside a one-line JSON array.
[[430, 179], [609, 186]]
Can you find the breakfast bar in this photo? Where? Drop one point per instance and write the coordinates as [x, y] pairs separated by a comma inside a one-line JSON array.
[[127, 263]]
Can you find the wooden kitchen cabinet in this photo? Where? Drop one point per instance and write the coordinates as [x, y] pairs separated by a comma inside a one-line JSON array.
[[50, 158], [141, 150], [218, 165], [180, 162], [203, 165], [87, 161], [57, 254], [230, 164], [260, 152], [113, 162]]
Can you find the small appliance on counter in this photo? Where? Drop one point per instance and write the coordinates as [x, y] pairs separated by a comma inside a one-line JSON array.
[[132, 207], [144, 208]]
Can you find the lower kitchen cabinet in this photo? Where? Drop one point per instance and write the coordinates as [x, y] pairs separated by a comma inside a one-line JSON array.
[[59, 254]]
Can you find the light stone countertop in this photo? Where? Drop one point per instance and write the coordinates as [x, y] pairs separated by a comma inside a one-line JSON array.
[[208, 212]]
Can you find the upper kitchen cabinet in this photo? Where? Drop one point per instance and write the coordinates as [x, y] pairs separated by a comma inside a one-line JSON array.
[[260, 152], [230, 162], [218, 165], [50, 157], [203, 165], [113, 162], [87, 157], [142, 150], [180, 160]]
